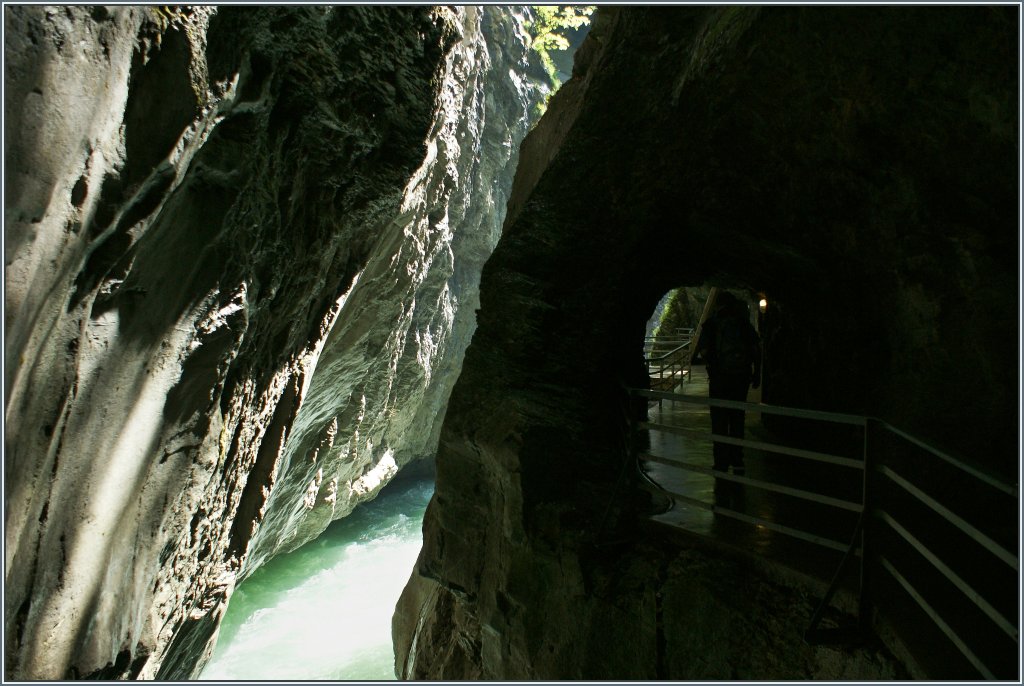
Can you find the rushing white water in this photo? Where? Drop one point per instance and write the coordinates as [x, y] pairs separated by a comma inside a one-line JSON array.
[[323, 612]]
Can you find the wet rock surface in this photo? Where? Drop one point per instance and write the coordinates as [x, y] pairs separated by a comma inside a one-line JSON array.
[[858, 165], [387, 367], [200, 204], [650, 611]]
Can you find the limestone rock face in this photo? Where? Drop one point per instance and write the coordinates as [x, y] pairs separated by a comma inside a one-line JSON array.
[[206, 211], [857, 165], [387, 367]]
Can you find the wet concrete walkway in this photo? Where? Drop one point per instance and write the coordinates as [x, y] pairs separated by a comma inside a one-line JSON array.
[[807, 558]]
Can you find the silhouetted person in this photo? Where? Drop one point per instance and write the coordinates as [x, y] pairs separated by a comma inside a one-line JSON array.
[[732, 354]]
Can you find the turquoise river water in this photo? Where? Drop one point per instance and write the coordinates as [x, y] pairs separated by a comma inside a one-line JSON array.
[[323, 612]]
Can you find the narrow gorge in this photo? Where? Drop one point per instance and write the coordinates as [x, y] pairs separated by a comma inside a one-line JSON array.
[[243, 249], [260, 260]]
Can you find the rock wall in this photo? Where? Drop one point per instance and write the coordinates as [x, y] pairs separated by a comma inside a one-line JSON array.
[[388, 365], [858, 165], [241, 256]]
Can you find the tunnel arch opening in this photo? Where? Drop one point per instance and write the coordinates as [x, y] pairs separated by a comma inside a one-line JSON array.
[[797, 367], [673, 329]]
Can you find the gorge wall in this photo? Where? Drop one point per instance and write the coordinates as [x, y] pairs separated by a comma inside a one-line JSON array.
[[242, 253], [858, 165]]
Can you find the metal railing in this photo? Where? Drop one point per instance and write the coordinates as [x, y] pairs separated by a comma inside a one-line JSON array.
[[929, 555], [884, 539], [667, 357]]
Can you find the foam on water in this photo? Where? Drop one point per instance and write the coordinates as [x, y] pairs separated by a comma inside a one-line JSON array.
[[324, 610]]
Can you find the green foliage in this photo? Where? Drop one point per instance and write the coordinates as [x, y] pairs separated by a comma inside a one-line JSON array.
[[669, 320], [170, 16], [548, 32], [682, 310]]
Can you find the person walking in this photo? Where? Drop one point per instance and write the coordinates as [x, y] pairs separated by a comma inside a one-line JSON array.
[[732, 354]]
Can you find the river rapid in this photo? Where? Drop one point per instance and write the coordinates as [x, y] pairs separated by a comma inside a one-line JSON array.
[[323, 612]]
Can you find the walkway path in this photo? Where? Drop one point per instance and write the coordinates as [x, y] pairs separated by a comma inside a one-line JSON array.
[[941, 572], [685, 485]]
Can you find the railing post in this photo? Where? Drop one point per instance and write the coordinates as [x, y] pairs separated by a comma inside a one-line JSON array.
[[868, 504]]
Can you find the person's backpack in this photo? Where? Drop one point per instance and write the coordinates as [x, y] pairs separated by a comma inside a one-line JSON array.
[[734, 349]]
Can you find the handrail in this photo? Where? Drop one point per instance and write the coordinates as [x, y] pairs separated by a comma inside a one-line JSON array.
[[673, 343], [952, 576], [785, 490], [838, 417], [666, 369], [774, 526], [951, 517], [674, 337], [937, 618], [797, 412], [1000, 552], [959, 464], [670, 352], [680, 331], [759, 445], [756, 483]]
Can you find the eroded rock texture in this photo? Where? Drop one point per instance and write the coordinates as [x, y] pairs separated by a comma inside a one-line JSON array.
[[203, 209], [856, 164], [382, 382]]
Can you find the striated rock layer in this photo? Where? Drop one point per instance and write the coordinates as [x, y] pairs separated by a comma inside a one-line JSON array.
[[242, 249], [858, 166], [388, 365]]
